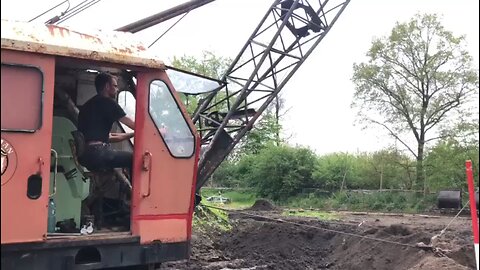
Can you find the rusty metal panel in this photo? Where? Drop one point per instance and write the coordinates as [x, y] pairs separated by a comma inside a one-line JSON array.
[[24, 218], [108, 46], [19, 82]]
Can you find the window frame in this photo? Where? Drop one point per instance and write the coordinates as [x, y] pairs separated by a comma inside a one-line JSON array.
[[42, 96], [181, 113], [120, 124]]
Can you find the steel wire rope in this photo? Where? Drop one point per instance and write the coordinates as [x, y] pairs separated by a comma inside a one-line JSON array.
[[52, 8], [448, 225], [80, 9], [77, 7], [56, 19], [74, 10], [324, 229], [168, 29]]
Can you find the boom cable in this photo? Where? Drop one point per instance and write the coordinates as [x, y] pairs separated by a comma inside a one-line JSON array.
[[169, 29], [52, 8], [78, 10], [75, 8]]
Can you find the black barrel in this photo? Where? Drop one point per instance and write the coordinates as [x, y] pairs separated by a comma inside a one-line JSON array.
[[449, 199]]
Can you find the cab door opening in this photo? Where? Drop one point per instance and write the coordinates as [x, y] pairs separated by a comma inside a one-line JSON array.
[[83, 201]]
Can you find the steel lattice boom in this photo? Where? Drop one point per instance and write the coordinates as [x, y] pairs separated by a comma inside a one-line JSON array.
[[286, 36]]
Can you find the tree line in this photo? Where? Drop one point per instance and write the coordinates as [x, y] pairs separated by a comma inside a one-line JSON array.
[[279, 172], [418, 83]]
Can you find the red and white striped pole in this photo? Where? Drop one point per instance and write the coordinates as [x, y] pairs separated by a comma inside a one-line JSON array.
[[473, 207]]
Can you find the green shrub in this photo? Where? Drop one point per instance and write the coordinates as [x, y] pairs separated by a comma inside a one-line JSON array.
[[374, 201]]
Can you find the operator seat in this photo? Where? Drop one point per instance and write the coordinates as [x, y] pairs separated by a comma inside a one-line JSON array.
[[101, 181], [94, 202]]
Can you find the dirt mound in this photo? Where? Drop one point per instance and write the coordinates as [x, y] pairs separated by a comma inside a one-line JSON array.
[[263, 205], [290, 246], [266, 244], [437, 263], [398, 229], [457, 245], [307, 243]]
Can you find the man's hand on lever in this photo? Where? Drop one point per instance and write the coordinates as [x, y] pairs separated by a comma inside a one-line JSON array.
[[118, 137]]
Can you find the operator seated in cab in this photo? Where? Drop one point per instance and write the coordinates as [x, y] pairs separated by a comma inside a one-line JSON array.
[[95, 122]]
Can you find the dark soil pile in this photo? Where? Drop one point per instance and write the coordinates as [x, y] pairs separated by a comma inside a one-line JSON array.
[[435, 263], [286, 246], [263, 205], [306, 243]]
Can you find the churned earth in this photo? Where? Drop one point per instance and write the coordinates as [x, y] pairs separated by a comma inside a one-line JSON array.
[[262, 238]]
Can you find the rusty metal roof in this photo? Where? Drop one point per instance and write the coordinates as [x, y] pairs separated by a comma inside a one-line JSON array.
[[109, 46]]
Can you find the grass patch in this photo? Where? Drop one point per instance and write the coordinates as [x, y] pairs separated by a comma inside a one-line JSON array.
[[356, 201], [407, 202], [239, 199], [306, 201], [209, 219], [311, 213], [380, 201], [206, 218]]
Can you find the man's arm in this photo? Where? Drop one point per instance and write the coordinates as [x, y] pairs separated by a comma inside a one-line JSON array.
[[128, 122], [118, 137]]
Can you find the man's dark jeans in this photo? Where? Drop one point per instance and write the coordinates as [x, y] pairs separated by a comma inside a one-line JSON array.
[[97, 158], [100, 157]]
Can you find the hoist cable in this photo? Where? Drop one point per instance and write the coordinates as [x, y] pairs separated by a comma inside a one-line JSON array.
[[80, 9], [168, 29], [61, 3]]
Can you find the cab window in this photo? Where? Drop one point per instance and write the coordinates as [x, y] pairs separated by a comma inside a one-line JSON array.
[[170, 121], [21, 98], [127, 101]]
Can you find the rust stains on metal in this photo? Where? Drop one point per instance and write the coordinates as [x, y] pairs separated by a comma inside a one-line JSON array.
[[65, 32], [111, 46]]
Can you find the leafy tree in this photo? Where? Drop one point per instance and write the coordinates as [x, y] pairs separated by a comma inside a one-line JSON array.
[[277, 108], [389, 169], [264, 133], [445, 164], [278, 172], [333, 171], [209, 65], [266, 130], [226, 175], [417, 81], [245, 168]]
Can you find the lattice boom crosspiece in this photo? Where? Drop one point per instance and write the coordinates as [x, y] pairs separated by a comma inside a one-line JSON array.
[[286, 36]]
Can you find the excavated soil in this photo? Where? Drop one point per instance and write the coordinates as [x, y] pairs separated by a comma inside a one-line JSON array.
[[262, 239], [263, 205]]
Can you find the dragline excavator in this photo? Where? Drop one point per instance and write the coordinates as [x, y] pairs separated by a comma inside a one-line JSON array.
[[285, 37], [57, 214]]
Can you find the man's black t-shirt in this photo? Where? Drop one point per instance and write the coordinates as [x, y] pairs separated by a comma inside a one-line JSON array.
[[97, 116]]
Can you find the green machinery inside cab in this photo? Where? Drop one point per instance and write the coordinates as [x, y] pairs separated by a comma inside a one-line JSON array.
[[68, 186]]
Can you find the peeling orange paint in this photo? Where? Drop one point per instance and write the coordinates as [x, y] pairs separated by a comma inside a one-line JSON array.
[[112, 46]]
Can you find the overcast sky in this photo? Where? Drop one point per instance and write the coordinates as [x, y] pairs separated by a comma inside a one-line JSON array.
[[320, 93]]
